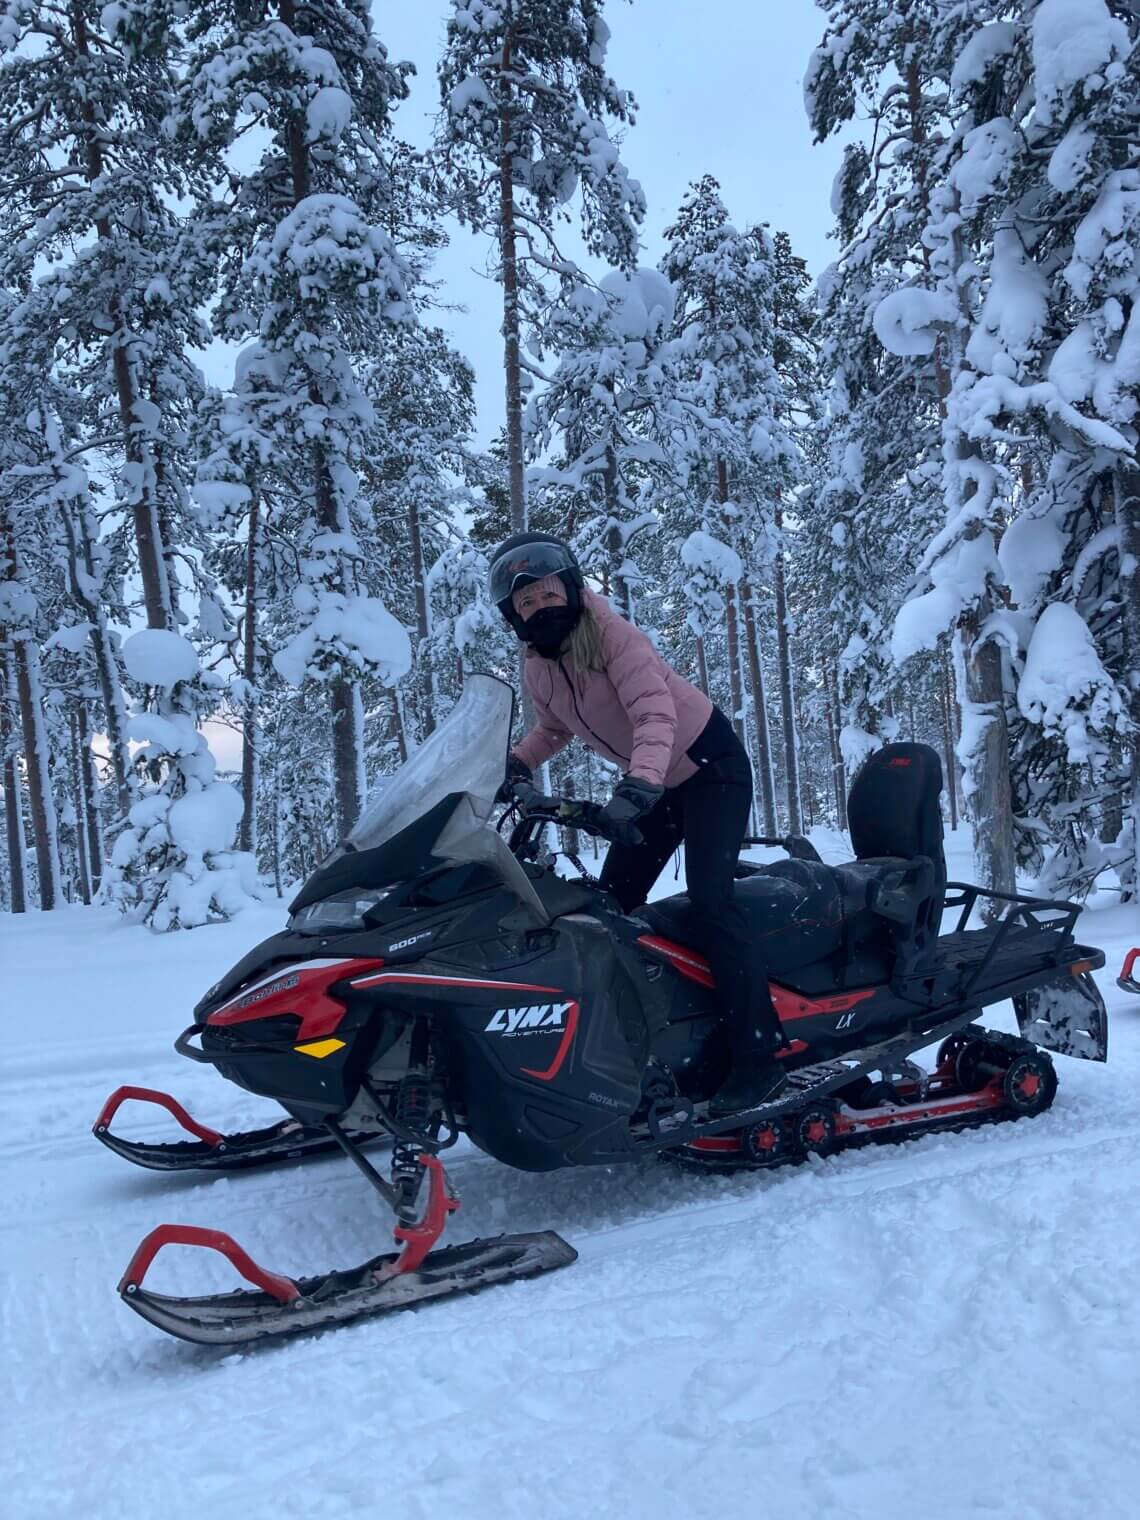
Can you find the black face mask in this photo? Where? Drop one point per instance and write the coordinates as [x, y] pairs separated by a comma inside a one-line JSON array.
[[549, 628]]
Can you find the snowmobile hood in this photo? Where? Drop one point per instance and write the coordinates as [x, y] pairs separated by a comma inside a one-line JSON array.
[[436, 808]]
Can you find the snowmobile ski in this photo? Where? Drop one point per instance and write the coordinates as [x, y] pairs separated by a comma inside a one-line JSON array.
[[284, 1307], [277, 1305], [210, 1150]]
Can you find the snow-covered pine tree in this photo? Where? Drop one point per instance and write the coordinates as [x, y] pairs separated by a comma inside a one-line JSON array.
[[174, 863], [612, 415], [467, 633], [312, 273], [22, 628], [1048, 185], [90, 188], [418, 457], [745, 454], [902, 200], [526, 97], [879, 498], [794, 354]]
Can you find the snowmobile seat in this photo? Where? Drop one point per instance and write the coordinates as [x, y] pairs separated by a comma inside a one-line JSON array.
[[897, 883], [879, 912], [793, 909]]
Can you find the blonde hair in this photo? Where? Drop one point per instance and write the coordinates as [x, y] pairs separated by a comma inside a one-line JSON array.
[[586, 643]]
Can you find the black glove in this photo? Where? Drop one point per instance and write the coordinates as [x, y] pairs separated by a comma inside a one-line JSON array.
[[632, 799], [516, 772]]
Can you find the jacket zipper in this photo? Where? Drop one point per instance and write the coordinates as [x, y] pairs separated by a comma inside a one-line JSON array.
[[582, 721]]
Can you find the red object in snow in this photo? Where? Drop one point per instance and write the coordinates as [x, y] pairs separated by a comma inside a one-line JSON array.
[[1127, 977]]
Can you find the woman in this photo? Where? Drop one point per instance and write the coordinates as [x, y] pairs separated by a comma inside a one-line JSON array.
[[591, 674]]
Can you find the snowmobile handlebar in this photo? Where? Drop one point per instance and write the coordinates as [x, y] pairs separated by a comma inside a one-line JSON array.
[[569, 812]]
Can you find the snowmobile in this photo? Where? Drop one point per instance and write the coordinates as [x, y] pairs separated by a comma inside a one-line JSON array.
[[438, 979]]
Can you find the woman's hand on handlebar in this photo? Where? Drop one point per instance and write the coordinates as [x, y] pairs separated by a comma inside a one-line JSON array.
[[569, 812], [517, 774]]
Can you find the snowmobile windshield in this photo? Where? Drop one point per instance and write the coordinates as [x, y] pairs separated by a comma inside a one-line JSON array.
[[467, 753], [440, 802]]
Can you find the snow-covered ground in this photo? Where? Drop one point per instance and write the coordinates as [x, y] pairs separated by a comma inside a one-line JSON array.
[[945, 1329]]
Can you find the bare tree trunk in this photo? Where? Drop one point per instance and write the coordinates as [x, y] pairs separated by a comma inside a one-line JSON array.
[[82, 837], [89, 779], [250, 729], [736, 690], [80, 532], [807, 773], [511, 315], [947, 697], [10, 774], [760, 728], [400, 724], [44, 824], [838, 772], [423, 620], [615, 542], [787, 699], [1126, 490], [702, 665], [275, 792], [732, 630]]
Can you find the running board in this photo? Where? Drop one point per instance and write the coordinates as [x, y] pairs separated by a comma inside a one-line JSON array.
[[806, 1083]]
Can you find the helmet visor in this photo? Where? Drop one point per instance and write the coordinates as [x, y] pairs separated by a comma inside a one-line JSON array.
[[529, 562]]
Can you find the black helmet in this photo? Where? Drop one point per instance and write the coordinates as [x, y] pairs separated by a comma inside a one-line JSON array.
[[527, 557]]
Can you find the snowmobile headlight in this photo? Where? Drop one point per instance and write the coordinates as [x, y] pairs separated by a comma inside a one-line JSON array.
[[344, 910]]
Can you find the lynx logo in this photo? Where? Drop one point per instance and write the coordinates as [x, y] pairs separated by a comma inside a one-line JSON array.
[[539, 1017], [845, 1020]]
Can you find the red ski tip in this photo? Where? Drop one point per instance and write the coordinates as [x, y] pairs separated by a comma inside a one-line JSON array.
[[1127, 977], [283, 1289], [163, 1100]]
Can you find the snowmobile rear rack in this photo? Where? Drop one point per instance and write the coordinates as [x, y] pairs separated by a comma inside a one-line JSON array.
[[1021, 915]]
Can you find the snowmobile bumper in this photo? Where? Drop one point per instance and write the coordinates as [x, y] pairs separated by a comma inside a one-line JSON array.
[[277, 1305], [209, 1151]]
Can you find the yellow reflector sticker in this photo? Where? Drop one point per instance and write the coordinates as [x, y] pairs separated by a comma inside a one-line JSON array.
[[319, 1048]]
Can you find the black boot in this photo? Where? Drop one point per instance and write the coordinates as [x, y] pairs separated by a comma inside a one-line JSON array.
[[756, 1076]]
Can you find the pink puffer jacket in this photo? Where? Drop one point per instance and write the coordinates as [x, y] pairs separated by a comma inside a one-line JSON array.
[[638, 712]]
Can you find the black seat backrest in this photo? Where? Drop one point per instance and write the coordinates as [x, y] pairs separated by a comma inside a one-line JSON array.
[[894, 810]]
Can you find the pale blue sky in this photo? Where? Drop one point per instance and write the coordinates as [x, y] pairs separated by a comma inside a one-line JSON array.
[[719, 90]]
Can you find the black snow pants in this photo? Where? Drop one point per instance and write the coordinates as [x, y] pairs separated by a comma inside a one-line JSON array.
[[709, 815]]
